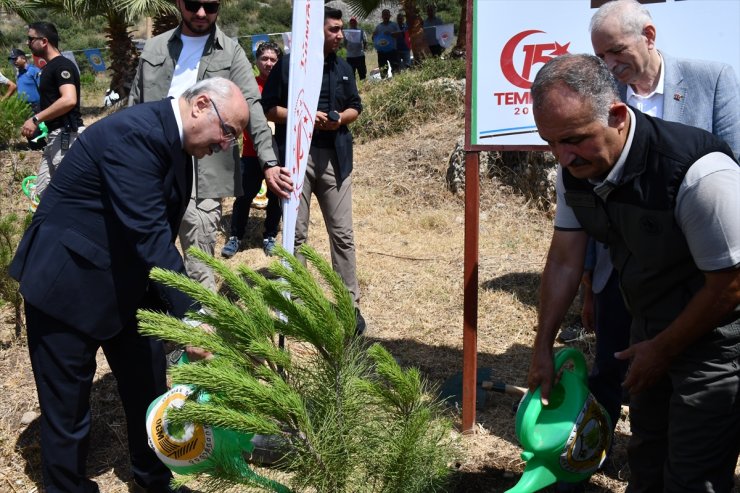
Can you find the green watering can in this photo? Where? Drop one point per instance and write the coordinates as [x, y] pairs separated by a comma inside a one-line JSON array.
[[568, 439], [195, 447]]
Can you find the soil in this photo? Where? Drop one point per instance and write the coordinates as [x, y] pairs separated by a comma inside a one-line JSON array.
[[410, 236]]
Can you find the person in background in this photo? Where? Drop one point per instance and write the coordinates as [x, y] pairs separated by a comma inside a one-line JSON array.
[[109, 216], [330, 159], [4, 81], [384, 38], [431, 21], [59, 91], [266, 57], [356, 51], [173, 61], [403, 42], [27, 79], [663, 197]]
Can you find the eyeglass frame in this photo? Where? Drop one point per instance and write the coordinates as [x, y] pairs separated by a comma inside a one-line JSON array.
[[205, 5], [230, 135]]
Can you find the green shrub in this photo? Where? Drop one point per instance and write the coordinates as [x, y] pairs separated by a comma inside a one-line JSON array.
[[351, 419], [11, 231], [13, 112], [410, 98]]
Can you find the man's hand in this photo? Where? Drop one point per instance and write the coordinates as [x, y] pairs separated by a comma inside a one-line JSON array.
[[279, 181], [324, 123], [541, 374], [196, 353], [649, 364], [28, 129]]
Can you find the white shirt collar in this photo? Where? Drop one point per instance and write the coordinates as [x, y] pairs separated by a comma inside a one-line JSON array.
[[176, 109], [652, 104], [615, 174]]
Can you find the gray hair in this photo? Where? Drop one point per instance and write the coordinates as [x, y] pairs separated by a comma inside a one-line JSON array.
[[632, 16], [586, 75], [217, 88]]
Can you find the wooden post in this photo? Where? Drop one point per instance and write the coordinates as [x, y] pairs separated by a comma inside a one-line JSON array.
[[470, 301]]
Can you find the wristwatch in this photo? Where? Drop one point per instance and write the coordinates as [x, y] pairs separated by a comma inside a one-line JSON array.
[[270, 164], [35, 120]]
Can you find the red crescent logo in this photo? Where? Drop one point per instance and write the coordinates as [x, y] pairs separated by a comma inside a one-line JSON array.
[[507, 60]]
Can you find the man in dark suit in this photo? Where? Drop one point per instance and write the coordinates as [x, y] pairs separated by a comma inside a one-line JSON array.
[[110, 214]]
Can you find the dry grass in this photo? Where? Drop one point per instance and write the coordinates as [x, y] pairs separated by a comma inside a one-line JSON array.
[[409, 235]]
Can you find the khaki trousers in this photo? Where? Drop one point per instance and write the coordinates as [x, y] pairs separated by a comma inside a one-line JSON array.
[[335, 201]]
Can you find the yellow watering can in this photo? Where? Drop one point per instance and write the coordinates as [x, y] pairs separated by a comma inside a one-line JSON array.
[[568, 439]]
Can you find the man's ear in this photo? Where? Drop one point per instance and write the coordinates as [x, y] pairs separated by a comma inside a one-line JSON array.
[[200, 104], [618, 115], [650, 34]]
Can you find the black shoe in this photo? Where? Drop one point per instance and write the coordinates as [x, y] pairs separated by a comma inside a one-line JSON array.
[[158, 488], [360, 324]]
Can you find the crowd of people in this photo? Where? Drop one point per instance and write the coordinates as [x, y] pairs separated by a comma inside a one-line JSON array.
[[648, 221]]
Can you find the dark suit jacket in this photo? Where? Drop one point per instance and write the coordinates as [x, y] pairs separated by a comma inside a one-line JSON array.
[[110, 214]]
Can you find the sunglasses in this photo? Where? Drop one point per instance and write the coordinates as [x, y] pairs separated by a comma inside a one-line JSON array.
[[208, 7], [228, 133], [31, 39]]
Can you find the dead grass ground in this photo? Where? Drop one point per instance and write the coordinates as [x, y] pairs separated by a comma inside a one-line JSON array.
[[409, 235]]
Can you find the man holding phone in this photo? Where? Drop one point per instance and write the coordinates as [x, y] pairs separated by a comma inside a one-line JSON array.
[[329, 167]]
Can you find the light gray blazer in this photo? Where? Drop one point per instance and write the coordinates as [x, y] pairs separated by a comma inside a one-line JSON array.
[[699, 93]]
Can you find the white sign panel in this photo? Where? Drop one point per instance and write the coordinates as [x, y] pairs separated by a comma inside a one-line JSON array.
[[512, 39]]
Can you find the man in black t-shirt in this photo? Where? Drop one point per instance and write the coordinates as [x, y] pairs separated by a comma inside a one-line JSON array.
[[59, 88]]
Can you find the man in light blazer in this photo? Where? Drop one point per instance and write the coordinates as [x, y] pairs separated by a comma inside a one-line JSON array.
[[111, 213], [699, 93]]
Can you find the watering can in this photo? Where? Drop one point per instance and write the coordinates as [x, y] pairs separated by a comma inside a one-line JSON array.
[[195, 447], [568, 439], [189, 448]]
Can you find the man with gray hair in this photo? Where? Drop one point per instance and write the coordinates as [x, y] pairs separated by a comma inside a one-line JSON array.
[[699, 93], [663, 197], [108, 217]]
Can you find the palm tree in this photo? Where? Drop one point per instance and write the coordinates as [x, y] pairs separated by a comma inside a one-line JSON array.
[[16, 7], [119, 15]]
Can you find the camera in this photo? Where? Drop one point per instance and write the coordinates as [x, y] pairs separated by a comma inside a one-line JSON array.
[[333, 116]]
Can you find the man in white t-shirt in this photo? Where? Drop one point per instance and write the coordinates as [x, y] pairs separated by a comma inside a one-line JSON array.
[[4, 81], [201, 51]]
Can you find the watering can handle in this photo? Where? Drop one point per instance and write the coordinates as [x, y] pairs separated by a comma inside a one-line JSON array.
[[534, 405], [571, 354]]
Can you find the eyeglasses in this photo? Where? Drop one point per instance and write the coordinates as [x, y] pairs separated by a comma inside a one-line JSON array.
[[208, 7], [228, 133], [31, 39]]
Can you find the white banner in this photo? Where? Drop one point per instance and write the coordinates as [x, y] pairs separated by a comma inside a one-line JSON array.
[[512, 39], [304, 85]]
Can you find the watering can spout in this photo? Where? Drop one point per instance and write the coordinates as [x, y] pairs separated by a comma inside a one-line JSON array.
[[536, 477]]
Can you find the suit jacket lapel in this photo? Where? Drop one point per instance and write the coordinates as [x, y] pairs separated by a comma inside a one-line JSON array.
[[674, 90]]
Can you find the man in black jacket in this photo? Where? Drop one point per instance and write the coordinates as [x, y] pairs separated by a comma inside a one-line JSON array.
[[329, 167]]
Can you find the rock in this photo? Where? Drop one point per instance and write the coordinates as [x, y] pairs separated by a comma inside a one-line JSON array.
[[28, 417]]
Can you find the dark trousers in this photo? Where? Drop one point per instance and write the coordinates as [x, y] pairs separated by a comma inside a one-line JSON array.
[[252, 177], [686, 428], [436, 50], [358, 66], [63, 362], [612, 322], [387, 57]]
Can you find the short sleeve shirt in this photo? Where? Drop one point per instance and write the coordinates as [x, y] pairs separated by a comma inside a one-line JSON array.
[[707, 208], [59, 72], [3, 80]]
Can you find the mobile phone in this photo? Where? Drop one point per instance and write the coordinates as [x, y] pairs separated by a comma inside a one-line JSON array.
[[65, 140]]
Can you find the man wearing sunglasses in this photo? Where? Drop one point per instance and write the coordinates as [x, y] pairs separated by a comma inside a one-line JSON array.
[[59, 90], [110, 215], [197, 49]]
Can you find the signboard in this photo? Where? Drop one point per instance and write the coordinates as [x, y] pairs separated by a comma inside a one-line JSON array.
[[512, 39]]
